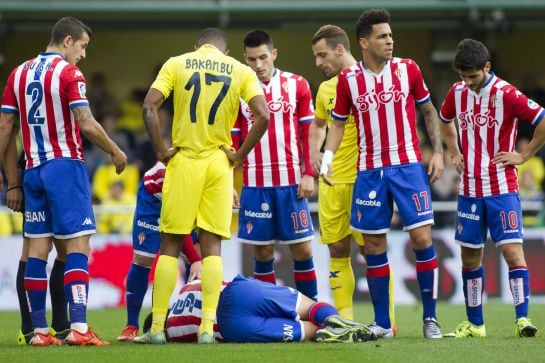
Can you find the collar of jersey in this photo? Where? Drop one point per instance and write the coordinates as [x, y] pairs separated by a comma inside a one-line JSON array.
[[47, 54]]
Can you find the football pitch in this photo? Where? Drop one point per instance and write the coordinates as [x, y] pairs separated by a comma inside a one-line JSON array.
[[500, 345]]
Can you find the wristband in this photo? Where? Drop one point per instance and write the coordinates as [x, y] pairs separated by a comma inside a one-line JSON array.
[[12, 188], [327, 159]]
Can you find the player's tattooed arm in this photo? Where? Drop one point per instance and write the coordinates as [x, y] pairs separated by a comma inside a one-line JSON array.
[[96, 134], [431, 120]]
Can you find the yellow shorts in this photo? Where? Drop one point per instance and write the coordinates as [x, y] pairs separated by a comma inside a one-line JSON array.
[[198, 192], [334, 204]]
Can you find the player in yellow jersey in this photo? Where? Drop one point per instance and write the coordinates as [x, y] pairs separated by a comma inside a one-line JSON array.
[[197, 191], [331, 48]]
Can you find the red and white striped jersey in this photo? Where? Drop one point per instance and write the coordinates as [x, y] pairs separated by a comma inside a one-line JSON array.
[[487, 124], [184, 318], [276, 159], [153, 180], [384, 110], [43, 90]]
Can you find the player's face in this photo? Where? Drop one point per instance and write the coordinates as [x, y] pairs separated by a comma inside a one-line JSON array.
[[328, 60], [261, 60], [75, 50], [475, 78], [379, 45]]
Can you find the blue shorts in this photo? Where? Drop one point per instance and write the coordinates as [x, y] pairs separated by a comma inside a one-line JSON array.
[[376, 190], [58, 200], [501, 214], [146, 238], [252, 311], [268, 215]]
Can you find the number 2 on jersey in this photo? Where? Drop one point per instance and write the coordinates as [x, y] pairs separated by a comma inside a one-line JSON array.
[[195, 82], [35, 90]]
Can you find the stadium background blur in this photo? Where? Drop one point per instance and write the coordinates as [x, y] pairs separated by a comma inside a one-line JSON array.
[[132, 38]]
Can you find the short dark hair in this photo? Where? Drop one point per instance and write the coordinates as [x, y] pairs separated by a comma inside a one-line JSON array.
[[368, 18], [333, 35], [212, 36], [256, 38], [470, 54], [69, 26]]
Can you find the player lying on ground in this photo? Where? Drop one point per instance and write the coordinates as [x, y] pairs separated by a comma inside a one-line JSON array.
[[251, 311]]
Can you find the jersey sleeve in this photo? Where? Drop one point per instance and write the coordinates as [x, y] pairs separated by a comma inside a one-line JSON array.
[[343, 100], [250, 84], [525, 108], [447, 113], [76, 86], [418, 86], [305, 108], [9, 99], [321, 110], [165, 80]]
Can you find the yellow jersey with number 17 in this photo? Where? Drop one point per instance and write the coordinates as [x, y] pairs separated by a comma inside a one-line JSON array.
[[346, 157], [207, 86]]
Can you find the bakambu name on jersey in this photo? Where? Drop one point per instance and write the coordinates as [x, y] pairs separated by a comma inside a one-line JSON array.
[[209, 65]]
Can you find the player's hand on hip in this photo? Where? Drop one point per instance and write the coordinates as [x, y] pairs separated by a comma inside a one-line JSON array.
[[436, 167], [119, 159], [231, 155], [165, 155], [505, 158], [306, 187]]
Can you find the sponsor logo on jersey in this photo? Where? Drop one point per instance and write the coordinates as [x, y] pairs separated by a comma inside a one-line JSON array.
[[146, 225], [288, 333], [472, 216], [517, 290], [259, 215], [371, 202], [474, 292], [470, 120], [372, 99], [79, 295], [32, 217], [187, 302]]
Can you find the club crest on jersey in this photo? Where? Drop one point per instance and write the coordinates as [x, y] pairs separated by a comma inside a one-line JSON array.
[[249, 227], [398, 72], [460, 228], [358, 214], [141, 237]]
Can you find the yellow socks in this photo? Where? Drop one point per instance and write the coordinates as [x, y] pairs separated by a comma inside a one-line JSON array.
[[212, 274], [391, 302], [342, 283], [166, 272]]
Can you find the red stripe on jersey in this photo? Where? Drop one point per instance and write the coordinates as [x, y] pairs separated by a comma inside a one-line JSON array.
[[304, 276], [478, 150], [491, 145], [25, 129], [50, 111], [426, 266], [154, 178], [383, 125], [35, 285], [382, 271], [76, 275]]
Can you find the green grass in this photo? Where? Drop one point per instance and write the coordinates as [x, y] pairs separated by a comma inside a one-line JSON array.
[[409, 346]]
